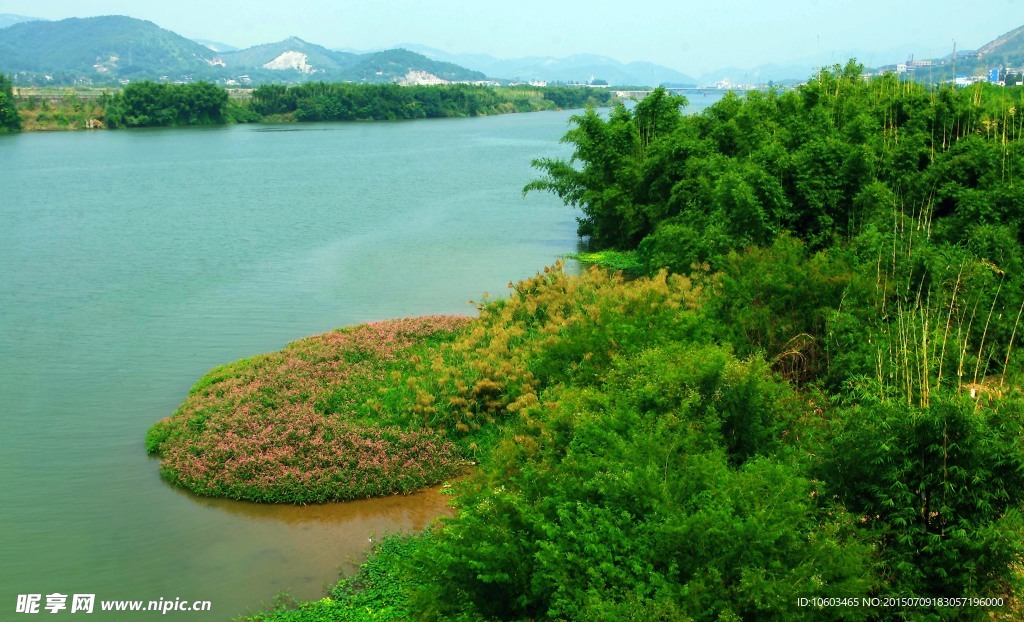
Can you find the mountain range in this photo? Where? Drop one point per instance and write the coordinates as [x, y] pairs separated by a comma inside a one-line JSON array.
[[577, 68], [109, 48], [117, 48]]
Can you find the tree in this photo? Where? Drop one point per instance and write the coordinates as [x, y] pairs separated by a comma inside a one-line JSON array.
[[10, 120], [603, 177]]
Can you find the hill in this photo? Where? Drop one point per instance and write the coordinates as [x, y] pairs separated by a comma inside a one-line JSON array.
[[292, 53], [294, 58], [102, 48], [1007, 50]]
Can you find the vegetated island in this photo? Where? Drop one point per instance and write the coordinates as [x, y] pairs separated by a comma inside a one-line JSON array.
[[150, 104], [808, 407]]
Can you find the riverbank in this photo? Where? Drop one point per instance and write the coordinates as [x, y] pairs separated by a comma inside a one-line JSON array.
[[147, 104]]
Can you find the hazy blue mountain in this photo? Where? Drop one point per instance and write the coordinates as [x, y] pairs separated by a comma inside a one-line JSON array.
[[9, 19], [577, 68], [763, 74], [216, 46], [396, 64]]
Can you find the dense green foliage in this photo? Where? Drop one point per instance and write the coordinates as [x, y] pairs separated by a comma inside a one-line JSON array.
[[626, 261], [10, 120], [148, 104], [904, 202], [664, 491], [819, 162], [646, 471], [62, 109], [319, 101]]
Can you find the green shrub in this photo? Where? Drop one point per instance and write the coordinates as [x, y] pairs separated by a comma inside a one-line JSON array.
[[627, 498], [938, 489]]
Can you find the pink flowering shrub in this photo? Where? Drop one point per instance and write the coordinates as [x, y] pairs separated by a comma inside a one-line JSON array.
[[292, 426]]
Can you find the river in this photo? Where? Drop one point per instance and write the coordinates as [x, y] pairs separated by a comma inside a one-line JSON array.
[[131, 262]]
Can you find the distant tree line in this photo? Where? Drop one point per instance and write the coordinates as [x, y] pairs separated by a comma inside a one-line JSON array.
[[151, 104], [321, 101]]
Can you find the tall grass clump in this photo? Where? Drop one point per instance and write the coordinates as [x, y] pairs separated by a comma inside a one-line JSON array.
[[553, 328]]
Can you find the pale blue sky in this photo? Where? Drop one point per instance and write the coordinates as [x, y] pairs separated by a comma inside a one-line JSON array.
[[689, 36]]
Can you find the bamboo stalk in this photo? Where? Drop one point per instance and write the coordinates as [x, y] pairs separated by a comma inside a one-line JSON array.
[[984, 333], [949, 319], [963, 349], [1009, 347]]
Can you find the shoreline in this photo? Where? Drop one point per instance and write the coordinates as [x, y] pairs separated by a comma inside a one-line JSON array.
[[57, 109]]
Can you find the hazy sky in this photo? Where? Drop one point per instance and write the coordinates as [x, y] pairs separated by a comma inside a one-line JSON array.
[[686, 35]]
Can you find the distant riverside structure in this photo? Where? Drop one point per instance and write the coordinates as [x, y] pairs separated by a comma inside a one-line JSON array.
[[999, 76]]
